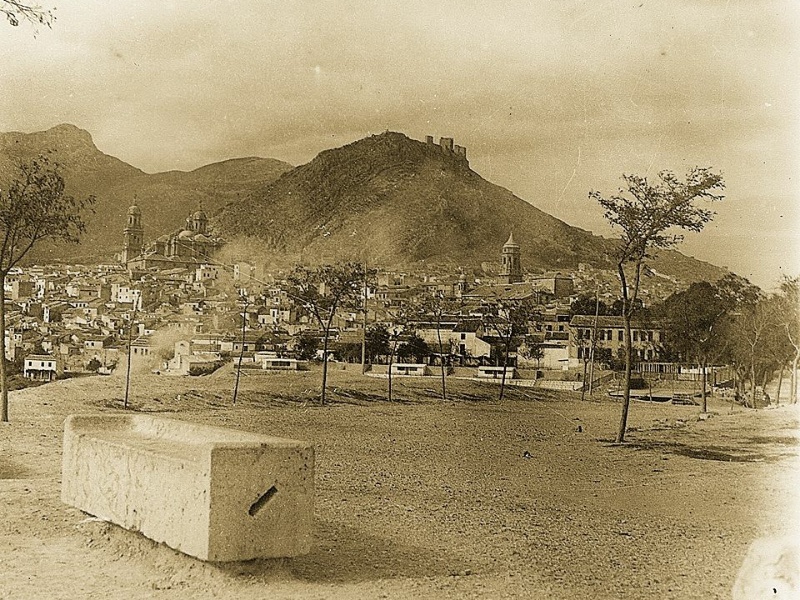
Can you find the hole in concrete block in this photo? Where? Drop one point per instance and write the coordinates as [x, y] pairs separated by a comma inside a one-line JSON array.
[[259, 504]]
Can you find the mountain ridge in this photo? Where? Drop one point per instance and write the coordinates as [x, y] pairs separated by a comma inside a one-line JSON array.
[[385, 198], [165, 198]]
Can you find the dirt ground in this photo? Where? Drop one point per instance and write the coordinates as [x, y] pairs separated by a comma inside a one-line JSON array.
[[422, 498]]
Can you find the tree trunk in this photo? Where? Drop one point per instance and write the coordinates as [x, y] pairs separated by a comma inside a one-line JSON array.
[[793, 384], [780, 383], [128, 359], [626, 392], [391, 360], [703, 378], [3, 374], [241, 355], [583, 387], [441, 359], [503, 378], [324, 365]]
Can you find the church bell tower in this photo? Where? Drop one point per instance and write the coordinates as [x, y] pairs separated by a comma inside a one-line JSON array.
[[133, 241], [511, 271]]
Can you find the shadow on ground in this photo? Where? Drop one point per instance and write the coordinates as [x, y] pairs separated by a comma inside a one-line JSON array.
[[12, 470], [343, 554], [756, 449]]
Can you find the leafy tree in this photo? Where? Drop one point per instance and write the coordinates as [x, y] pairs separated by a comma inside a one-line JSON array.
[[307, 346], [605, 356], [348, 351], [697, 323], [414, 348], [617, 307], [532, 349], [323, 291], [586, 304], [647, 213], [377, 341], [34, 207]]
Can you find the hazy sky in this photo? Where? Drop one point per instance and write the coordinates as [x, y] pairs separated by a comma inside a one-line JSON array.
[[552, 99]]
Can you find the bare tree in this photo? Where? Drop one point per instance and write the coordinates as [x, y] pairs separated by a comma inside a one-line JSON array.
[[647, 213], [16, 12], [437, 306], [750, 336], [323, 291], [33, 208], [789, 316], [510, 319], [399, 320]]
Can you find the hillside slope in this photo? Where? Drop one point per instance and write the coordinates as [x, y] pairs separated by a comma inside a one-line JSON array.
[[386, 198], [397, 201], [166, 199]]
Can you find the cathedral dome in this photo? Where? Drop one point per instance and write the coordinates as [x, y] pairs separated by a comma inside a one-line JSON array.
[[134, 210], [185, 235]]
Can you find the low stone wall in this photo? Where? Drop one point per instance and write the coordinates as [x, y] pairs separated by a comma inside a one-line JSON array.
[[559, 385], [213, 493]]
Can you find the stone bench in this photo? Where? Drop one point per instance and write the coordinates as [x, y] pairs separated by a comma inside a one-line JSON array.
[[213, 493]]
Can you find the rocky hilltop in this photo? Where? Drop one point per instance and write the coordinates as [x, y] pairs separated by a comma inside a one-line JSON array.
[[398, 201]]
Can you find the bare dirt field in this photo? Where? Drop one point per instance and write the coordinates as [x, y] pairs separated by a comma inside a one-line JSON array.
[[420, 498]]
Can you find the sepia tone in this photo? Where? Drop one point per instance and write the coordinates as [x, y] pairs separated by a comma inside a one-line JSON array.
[[400, 301]]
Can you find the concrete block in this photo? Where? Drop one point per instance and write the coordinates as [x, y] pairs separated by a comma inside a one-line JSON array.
[[214, 493]]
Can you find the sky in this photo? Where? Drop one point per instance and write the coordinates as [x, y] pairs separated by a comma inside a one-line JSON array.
[[552, 99]]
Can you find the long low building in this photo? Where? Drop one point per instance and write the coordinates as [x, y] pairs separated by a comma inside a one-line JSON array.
[[647, 337]]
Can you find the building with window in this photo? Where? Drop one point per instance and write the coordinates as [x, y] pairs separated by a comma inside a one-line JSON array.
[[42, 367], [647, 338]]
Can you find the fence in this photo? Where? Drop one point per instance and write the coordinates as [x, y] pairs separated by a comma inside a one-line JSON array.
[[677, 372]]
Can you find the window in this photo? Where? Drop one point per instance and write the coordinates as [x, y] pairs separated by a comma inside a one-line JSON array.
[[649, 336], [620, 335], [463, 336], [635, 336]]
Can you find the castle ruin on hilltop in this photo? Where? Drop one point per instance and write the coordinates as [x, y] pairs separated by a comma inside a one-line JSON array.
[[446, 146]]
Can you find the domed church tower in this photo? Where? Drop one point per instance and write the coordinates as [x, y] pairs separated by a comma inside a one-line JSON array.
[[198, 222], [511, 271], [133, 240]]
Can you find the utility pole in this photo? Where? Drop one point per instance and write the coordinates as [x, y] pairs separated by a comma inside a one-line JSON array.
[[585, 363], [364, 326], [594, 339], [130, 351], [241, 350]]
